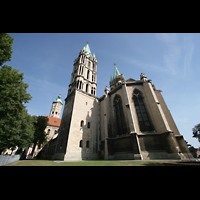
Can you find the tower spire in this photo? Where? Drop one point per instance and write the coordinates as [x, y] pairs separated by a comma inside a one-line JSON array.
[[116, 72], [87, 48]]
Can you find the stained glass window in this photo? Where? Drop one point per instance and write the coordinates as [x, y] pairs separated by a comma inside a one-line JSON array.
[[143, 118]]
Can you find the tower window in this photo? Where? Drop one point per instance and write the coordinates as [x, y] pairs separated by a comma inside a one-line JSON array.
[[80, 86], [87, 144], [143, 118], [89, 64], [88, 74], [92, 90], [82, 123], [56, 113], [81, 143], [53, 112], [48, 132], [77, 83], [88, 125], [86, 89]]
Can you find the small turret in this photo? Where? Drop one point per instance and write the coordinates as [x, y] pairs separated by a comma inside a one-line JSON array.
[[56, 107], [117, 78]]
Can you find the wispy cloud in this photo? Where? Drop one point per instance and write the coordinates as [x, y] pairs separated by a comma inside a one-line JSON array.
[[176, 49], [143, 65], [188, 47], [172, 51], [48, 88]]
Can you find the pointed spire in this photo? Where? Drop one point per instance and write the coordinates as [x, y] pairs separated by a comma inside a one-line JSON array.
[[87, 48], [93, 55], [111, 79], [116, 72]]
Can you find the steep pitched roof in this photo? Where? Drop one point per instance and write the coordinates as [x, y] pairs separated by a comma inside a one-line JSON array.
[[116, 72], [53, 121], [87, 48]]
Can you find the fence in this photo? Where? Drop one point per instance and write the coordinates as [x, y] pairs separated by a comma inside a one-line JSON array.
[[6, 159]]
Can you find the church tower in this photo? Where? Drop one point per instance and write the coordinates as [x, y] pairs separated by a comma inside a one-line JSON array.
[[56, 107], [77, 139], [84, 75]]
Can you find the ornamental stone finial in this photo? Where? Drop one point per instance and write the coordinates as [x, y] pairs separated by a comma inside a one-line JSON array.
[[143, 77]]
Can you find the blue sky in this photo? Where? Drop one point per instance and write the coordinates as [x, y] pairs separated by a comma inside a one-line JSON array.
[[170, 60]]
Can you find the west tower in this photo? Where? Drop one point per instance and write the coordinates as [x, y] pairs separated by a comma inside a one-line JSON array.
[[84, 75], [56, 107], [78, 136]]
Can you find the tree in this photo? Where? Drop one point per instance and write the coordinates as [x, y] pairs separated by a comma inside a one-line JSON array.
[[15, 123], [5, 47], [196, 132], [40, 123]]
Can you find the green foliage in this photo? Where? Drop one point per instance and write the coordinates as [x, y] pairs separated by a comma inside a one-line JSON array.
[[5, 47], [196, 132], [15, 122], [40, 124]]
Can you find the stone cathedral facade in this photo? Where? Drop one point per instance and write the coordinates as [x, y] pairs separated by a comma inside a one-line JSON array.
[[130, 121]]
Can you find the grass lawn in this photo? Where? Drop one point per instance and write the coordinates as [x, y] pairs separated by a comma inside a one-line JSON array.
[[90, 163]]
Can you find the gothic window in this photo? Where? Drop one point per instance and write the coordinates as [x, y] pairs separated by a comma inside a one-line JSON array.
[[92, 78], [88, 74], [142, 115], [92, 90], [81, 143], [82, 59], [88, 125], [77, 83], [82, 123], [120, 119], [87, 144], [80, 70], [86, 89], [80, 86], [48, 132]]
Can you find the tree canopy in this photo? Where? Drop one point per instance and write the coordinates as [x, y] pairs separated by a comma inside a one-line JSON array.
[[196, 131], [5, 47], [16, 125]]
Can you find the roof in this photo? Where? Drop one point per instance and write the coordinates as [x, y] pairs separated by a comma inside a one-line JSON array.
[[58, 100], [116, 72], [53, 121], [130, 79], [87, 48]]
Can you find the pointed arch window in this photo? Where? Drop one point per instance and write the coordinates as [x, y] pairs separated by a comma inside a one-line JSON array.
[[77, 84], [88, 74], [87, 144], [86, 89], [120, 119], [82, 123], [143, 118], [81, 143]]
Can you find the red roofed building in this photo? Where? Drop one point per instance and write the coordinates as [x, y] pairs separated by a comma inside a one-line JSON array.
[[53, 123], [54, 120]]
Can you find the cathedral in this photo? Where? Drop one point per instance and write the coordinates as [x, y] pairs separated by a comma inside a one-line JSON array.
[[130, 121]]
